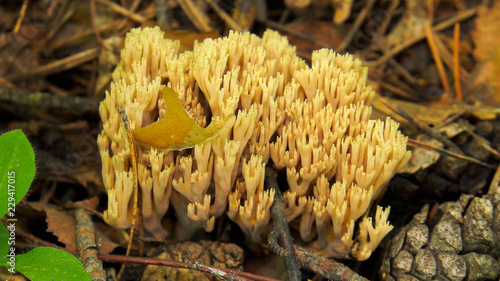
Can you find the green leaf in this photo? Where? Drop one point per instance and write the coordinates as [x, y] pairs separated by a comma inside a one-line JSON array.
[[17, 168], [48, 264]]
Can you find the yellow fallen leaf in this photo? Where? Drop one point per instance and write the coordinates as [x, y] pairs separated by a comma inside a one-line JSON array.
[[177, 130]]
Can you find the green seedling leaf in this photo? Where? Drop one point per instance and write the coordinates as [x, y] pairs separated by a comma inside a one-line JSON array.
[[48, 264], [17, 169]]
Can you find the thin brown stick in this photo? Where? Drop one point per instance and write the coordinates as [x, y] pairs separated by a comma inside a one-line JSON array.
[[437, 59], [403, 46], [199, 19], [430, 10], [450, 153], [214, 271], [22, 13], [87, 246], [93, 23], [387, 19], [224, 16], [133, 161], [495, 183], [401, 70], [456, 61], [57, 66], [398, 91], [424, 127], [447, 57], [176, 264], [134, 5], [66, 11], [123, 11], [357, 23], [290, 31]]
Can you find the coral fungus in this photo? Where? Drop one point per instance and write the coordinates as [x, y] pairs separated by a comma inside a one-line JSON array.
[[311, 121]]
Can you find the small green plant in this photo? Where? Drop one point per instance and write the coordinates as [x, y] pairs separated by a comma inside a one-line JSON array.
[[17, 171]]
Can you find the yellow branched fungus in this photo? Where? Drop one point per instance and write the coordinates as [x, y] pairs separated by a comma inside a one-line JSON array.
[[265, 104]]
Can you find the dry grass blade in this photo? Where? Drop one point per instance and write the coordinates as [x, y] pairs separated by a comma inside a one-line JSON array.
[[456, 61], [437, 59], [199, 19], [359, 20], [122, 11], [495, 183], [424, 127], [133, 161], [22, 13], [443, 25], [450, 153], [397, 91], [387, 19], [224, 16]]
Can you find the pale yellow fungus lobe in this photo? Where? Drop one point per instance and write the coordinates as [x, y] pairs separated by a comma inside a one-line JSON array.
[[265, 104]]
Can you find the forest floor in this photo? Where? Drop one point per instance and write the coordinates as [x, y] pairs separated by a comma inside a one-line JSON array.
[[435, 66]]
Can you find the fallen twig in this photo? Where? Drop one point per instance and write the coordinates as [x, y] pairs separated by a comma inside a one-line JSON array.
[[281, 230], [357, 23], [47, 102], [87, 246], [123, 11], [177, 264], [214, 271], [327, 268], [57, 66]]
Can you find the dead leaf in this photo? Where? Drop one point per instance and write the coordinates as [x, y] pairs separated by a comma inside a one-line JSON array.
[[321, 31], [62, 225], [88, 175], [177, 130], [411, 24], [187, 38], [487, 51], [103, 234], [433, 114], [91, 203], [422, 158]]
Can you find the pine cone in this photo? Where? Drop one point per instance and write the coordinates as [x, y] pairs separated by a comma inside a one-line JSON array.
[[460, 243]]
